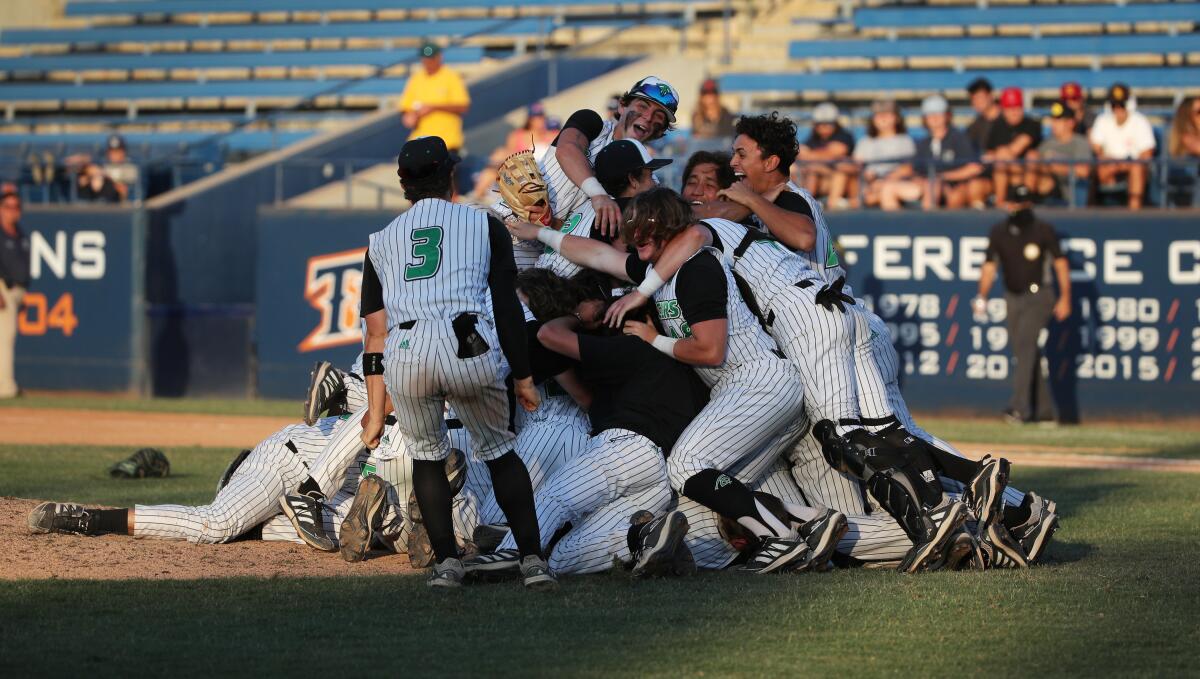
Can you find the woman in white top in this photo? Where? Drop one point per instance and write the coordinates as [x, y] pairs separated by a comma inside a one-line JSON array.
[[884, 151]]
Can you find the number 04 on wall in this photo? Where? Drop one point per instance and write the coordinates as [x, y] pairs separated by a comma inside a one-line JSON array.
[[37, 316]]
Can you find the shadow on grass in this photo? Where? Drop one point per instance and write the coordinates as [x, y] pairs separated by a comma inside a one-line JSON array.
[[1067, 552]]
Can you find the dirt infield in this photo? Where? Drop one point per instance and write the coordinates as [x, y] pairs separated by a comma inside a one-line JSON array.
[[115, 557], [116, 428]]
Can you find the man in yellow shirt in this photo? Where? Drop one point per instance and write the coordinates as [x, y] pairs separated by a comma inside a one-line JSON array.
[[435, 99]]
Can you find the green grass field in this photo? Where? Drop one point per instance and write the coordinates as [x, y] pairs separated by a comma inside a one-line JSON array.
[[1120, 596]]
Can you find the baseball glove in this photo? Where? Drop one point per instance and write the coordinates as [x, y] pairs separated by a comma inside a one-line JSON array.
[[523, 187], [145, 463]]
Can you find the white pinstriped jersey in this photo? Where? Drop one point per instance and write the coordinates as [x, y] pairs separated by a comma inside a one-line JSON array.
[[823, 257], [767, 265], [433, 262], [578, 223], [748, 342], [565, 196]]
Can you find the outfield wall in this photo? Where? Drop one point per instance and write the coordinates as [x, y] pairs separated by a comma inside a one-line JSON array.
[[1131, 346]]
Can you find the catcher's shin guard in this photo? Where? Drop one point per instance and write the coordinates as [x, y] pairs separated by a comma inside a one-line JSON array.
[[897, 494], [839, 453]]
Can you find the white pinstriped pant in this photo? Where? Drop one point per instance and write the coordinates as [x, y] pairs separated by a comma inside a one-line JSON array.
[[422, 372], [820, 344], [618, 474], [252, 495], [754, 414]]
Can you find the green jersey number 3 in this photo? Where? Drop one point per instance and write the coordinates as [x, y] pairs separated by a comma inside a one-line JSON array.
[[426, 253]]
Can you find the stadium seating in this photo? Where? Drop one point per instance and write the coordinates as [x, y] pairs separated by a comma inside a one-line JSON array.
[[179, 89], [1085, 45], [79, 8], [910, 17]]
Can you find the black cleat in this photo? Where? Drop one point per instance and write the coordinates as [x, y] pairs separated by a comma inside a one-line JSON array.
[[658, 541], [305, 513], [778, 555], [363, 519], [325, 383]]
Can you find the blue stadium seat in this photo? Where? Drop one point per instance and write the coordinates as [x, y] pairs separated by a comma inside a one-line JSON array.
[[157, 143], [78, 8], [946, 79], [208, 60], [1034, 15], [1100, 45], [186, 90]]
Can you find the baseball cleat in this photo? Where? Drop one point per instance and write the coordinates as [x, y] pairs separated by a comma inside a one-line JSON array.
[[985, 493], [487, 537], [305, 513], [778, 555], [684, 563], [536, 574], [657, 542], [447, 575], [494, 566], [959, 551], [823, 533], [456, 470], [1035, 533], [324, 383], [420, 550], [59, 517], [364, 517], [233, 467], [945, 519], [1006, 547]]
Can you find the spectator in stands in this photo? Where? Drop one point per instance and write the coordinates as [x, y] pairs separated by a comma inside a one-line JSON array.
[[1068, 147], [1184, 138], [706, 174], [824, 172], [711, 120], [96, 187], [1012, 143], [885, 152], [14, 280], [1071, 94], [117, 166], [1122, 134], [986, 112], [435, 99], [946, 167], [535, 135]]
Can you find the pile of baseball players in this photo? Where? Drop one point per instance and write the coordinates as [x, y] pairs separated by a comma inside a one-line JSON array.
[[640, 378]]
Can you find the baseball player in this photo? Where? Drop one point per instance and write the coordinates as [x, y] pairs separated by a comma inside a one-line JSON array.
[[756, 396], [647, 113], [426, 280]]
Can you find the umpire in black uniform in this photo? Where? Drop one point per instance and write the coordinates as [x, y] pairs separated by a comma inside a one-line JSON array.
[[1027, 249]]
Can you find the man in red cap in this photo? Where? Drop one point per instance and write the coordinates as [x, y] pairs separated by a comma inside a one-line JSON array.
[[1011, 143], [1071, 94], [711, 120]]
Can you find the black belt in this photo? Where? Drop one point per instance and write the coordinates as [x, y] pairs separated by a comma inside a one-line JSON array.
[[406, 325]]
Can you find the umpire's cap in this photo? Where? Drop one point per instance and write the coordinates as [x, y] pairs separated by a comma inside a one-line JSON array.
[[424, 157], [623, 158]]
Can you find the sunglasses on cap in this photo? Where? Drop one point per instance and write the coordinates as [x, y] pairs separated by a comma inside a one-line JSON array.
[[660, 93]]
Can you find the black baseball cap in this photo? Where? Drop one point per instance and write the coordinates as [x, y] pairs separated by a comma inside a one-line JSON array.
[[980, 84], [430, 49], [1059, 109], [1118, 94], [424, 157], [623, 158], [1019, 194]]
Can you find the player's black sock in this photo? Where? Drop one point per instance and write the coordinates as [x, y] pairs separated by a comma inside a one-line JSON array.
[[514, 494], [1016, 516], [433, 497], [109, 521], [730, 498], [311, 489], [952, 466]]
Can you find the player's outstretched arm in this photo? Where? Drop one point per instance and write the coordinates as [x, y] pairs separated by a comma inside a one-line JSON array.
[[571, 151], [705, 348], [679, 250], [793, 229], [510, 320], [588, 253]]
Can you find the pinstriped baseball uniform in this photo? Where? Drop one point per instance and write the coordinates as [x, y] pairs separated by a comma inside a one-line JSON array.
[[565, 196], [433, 264], [578, 223], [823, 258], [274, 467], [755, 392], [817, 341]]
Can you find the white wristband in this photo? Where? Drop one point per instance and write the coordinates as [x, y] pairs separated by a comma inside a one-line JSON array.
[[651, 283], [665, 344], [552, 238], [592, 187]]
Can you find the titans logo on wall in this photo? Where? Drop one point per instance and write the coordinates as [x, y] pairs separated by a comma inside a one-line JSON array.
[[331, 286]]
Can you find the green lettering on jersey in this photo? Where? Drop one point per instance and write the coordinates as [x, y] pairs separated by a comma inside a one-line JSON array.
[[567, 227], [426, 253], [831, 258], [668, 309]]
